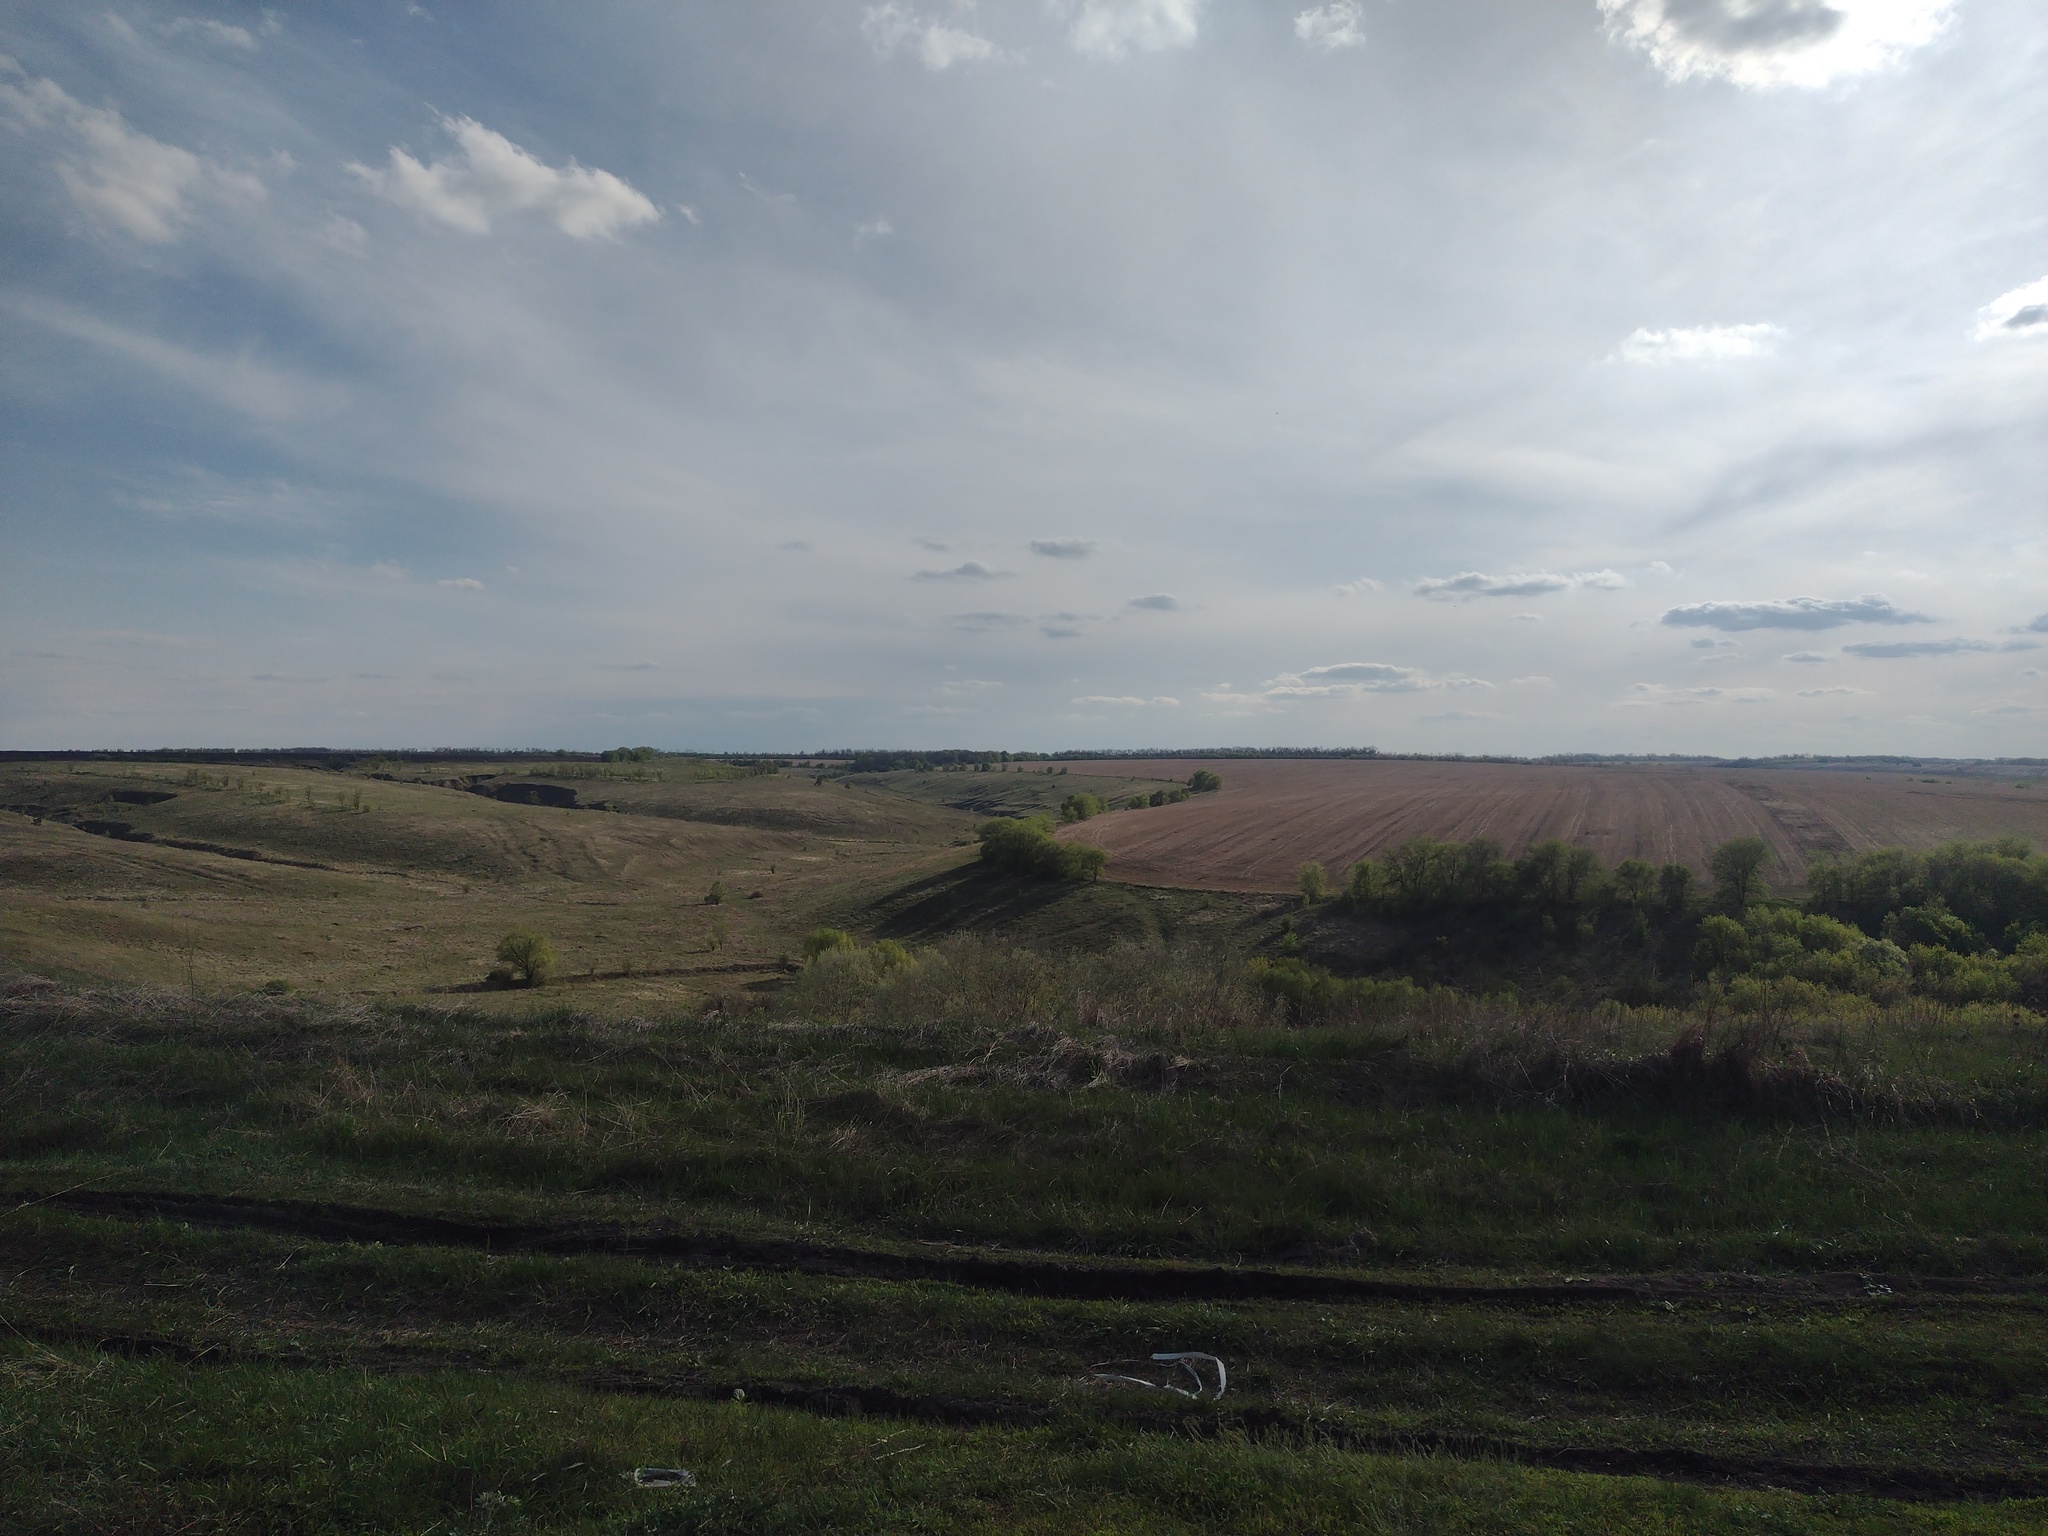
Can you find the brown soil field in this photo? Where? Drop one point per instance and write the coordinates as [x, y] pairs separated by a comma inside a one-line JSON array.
[[1272, 815]]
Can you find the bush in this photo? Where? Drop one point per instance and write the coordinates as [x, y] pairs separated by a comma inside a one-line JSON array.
[[1203, 782], [716, 895], [1081, 806], [1027, 846], [530, 955], [1312, 882], [827, 941]]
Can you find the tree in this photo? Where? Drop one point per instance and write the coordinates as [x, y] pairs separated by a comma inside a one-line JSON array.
[[1081, 806], [827, 941], [1362, 884], [529, 954], [1635, 880], [1203, 782], [1738, 870], [1674, 887], [1313, 883], [1026, 845]]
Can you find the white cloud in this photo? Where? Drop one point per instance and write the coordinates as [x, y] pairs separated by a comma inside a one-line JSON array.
[[1804, 658], [1110, 29], [491, 176], [1064, 549], [1700, 344], [1708, 643], [1158, 602], [873, 229], [1772, 43], [1470, 584], [138, 183], [965, 687], [970, 570], [462, 583], [237, 381], [1358, 588], [894, 26], [2038, 625], [1643, 695], [218, 32], [2022, 312], [1128, 701], [1823, 693], [1892, 649], [1330, 27], [982, 623], [1794, 613], [1347, 679], [1527, 618]]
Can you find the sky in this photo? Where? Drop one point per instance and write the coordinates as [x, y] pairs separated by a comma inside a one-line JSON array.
[[1515, 376]]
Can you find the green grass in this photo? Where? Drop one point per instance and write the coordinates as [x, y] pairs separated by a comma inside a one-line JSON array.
[[115, 1446]]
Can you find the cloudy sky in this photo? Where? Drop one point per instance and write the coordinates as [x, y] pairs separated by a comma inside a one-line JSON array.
[[1532, 376]]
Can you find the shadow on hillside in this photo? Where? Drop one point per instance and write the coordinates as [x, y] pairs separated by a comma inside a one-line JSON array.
[[968, 899]]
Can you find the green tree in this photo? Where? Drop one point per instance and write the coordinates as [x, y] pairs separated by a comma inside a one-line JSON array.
[[1362, 884], [1081, 806], [1738, 867], [1674, 888], [1313, 882], [1202, 781], [530, 955], [1635, 880], [827, 941]]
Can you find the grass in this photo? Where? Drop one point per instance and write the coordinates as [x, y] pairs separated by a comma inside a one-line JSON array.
[[906, 1210]]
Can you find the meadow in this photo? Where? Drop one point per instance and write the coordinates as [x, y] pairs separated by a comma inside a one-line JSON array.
[[307, 1228]]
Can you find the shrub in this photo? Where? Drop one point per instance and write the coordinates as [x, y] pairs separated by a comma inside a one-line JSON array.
[[1202, 782], [827, 941], [1026, 845], [1081, 806], [716, 895], [530, 955], [1312, 882], [1362, 886]]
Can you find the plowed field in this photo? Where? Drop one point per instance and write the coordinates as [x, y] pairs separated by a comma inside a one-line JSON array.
[[1273, 814]]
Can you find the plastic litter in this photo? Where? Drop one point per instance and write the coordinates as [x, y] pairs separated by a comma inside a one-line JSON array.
[[1188, 1361], [662, 1477]]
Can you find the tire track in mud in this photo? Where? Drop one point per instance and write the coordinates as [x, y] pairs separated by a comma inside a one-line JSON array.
[[1061, 1279], [1674, 1464]]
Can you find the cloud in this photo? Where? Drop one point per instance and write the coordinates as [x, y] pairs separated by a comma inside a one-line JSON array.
[[1708, 643], [604, 666], [1822, 693], [236, 380], [873, 229], [981, 623], [1764, 44], [1330, 27], [762, 192], [1700, 344], [218, 32], [1158, 602], [2022, 312], [2009, 709], [1526, 618], [1359, 588], [1462, 714], [965, 687], [2039, 626], [139, 184], [1804, 658], [1128, 701], [2021, 645], [1646, 694], [1794, 613], [894, 26], [1470, 584], [490, 176], [1064, 549], [1891, 649], [1110, 29], [969, 570], [1349, 679], [462, 583]]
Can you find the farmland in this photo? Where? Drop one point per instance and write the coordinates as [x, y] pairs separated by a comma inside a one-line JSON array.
[[1273, 814]]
